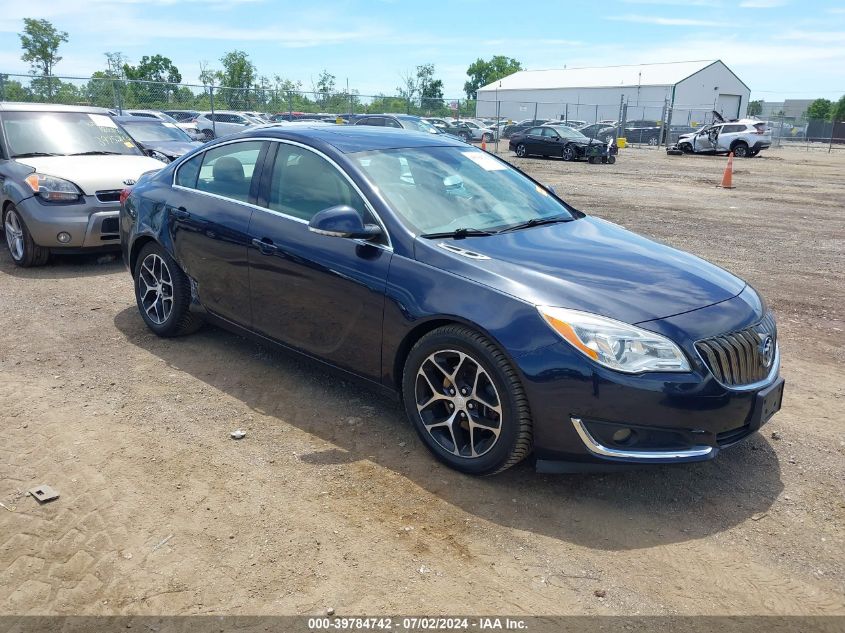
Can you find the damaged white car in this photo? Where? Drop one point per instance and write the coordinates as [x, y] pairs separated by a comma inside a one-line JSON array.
[[745, 138]]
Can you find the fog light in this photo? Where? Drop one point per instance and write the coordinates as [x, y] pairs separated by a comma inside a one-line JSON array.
[[63, 237], [622, 436]]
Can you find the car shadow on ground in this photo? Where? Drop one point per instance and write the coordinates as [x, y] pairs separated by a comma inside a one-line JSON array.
[[62, 266], [618, 511]]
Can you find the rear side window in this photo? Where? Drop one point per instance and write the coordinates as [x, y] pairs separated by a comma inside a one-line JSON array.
[[189, 171], [731, 129], [227, 170], [303, 184]]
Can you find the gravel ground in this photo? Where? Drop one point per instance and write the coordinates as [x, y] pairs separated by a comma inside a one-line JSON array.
[[330, 501]]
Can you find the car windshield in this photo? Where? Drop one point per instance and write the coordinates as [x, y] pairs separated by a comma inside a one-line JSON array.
[[442, 189], [419, 125], [568, 132], [64, 133], [145, 132]]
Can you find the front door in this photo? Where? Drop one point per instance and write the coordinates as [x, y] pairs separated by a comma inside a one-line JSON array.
[[322, 295], [208, 215]]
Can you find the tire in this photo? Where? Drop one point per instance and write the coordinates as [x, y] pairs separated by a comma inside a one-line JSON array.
[[740, 149], [23, 249], [652, 141], [208, 134], [686, 148], [568, 153], [521, 151], [467, 138], [592, 160], [453, 381], [156, 266], [611, 159]]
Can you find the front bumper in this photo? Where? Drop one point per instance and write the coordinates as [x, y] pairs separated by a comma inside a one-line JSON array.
[[587, 415], [91, 223]]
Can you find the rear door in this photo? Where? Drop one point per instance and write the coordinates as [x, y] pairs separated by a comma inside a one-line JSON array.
[[534, 140], [319, 294], [208, 215]]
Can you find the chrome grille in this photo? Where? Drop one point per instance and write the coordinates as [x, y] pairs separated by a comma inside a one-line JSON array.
[[736, 358]]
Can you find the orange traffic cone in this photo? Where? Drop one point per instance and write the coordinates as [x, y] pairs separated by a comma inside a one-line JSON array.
[[483, 144], [727, 177]]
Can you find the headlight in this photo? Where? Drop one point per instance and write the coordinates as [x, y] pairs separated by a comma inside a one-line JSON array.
[[52, 188], [614, 344]]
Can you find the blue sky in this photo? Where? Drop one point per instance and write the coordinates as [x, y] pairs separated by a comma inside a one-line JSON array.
[[780, 48]]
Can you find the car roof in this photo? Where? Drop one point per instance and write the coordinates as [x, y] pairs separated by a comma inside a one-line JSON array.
[[354, 138], [128, 118], [11, 106]]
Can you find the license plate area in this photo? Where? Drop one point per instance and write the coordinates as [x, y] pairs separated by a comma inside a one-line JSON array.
[[768, 402]]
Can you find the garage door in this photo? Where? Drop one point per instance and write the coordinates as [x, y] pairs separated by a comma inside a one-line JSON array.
[[728, 106]]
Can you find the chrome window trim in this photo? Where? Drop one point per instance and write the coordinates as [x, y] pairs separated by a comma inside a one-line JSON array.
[[367, 203], [598, 449]]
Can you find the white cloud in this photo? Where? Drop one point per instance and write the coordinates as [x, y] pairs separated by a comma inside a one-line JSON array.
[[762, 4], [817, 37], [662, 21]]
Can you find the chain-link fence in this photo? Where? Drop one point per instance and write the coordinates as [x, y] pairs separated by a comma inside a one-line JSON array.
[[123, 94], [640, 123]]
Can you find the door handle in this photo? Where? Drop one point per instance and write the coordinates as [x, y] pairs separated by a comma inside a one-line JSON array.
[[181, 213], [265, 245]]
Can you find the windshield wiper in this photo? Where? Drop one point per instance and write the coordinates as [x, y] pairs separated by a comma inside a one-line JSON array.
[[537, 222], [34, 154], [457, 234], [96, 152]]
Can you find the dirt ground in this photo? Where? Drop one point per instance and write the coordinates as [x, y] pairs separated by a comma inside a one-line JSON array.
[[332, 502]]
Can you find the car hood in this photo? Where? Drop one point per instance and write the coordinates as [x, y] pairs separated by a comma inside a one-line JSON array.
[[93, 173], [587, 264], [173, 149]]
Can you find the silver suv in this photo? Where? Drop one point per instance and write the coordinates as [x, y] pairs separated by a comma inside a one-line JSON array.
[[745, 138], [63, 169]]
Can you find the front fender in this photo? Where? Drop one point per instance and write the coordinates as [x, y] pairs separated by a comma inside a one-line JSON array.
[[13, 188]]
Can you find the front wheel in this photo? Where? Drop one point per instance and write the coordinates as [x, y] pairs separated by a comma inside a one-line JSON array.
[[521, 151], [466, 402], [23, 249], [568, 153], [652, 141], [163, 293]]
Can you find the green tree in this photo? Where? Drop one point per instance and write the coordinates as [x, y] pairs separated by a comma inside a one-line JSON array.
[[430, 88], [755, 108], [820, 109], [236, 79], [483, 72], [158, 74], [837, 113], [13, 90], [40, 42]]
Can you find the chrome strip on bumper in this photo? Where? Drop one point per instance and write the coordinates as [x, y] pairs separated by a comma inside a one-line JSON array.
[[597, 449]]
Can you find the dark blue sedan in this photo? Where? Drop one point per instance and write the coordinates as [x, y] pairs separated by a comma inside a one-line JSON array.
[[508, 322]]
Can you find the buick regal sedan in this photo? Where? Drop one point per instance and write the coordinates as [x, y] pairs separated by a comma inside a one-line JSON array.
[[508, 322]]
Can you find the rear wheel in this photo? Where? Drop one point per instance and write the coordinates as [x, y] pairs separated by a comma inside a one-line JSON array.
[[740, 149], [163, 293], [521, 151], [466, 402], [568, 153], [23, 249]]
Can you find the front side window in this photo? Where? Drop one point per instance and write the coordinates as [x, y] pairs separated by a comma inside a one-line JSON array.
[[227, 170], [304, 183], [64, 134], [441, 189]]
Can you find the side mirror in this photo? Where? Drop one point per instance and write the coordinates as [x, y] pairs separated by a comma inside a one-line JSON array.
[[343, 221]]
